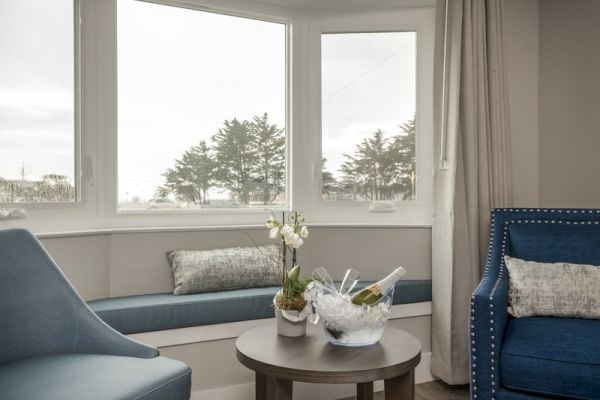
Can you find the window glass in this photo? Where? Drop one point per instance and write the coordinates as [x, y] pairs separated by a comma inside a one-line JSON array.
[[368, 116], [201, 109], [37, 101]]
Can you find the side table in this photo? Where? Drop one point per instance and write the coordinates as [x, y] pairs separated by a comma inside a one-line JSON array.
[[278, 361]]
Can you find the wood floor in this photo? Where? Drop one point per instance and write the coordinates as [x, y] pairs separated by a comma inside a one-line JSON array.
[[436, 390]]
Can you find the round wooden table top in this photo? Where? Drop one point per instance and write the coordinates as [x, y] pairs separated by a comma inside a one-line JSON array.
[[312, 358]]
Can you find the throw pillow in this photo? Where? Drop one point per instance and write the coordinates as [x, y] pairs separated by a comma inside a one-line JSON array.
[[556, 290], [197, 271]]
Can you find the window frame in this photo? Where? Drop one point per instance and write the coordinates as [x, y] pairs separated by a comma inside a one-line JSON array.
[[79, 198], [413, 212], [96, 210], [112, 184]]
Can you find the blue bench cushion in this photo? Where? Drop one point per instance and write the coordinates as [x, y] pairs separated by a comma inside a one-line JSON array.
[[156, 312], [95, 377], [552, 356]]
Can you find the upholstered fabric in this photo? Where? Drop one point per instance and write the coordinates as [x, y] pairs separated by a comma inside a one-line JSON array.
[[552, 356], [41, 315], [553, 289], [544, 235], [155, 312], [41, 312], [513, 395], [199, 271], [93, 376]]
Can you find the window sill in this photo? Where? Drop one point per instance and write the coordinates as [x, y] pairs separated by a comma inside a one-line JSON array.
[[112, 231]]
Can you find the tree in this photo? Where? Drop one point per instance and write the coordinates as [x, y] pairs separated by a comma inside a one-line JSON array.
[[381, 168], [51, 188], [328, 182], [55, 188], [372, 167], [236, 156], [192, 176], [269, 149], [404, 145]]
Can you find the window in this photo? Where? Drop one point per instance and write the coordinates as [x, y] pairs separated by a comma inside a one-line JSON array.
[[38, 157], [201, 109], [368, 92]]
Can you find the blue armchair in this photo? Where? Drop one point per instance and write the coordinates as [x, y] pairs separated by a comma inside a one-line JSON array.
[[52, 346], [535, 357]]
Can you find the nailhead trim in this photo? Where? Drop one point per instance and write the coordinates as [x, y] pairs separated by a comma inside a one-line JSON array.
[[501, 274]]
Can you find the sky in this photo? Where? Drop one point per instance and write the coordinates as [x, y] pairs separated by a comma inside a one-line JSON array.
[[181, 73], [368, 83]]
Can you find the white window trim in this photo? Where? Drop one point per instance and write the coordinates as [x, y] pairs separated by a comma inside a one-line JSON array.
[[77, 125], [420, 21], [97, 209]]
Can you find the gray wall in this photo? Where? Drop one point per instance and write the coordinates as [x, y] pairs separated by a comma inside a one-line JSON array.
[[521, 39], [569, 103], [134, 263]]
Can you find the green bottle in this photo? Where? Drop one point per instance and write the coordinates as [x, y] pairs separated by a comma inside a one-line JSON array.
[[372, 293]]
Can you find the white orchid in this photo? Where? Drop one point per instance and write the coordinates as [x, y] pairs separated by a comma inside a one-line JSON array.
[[295, 241], [304, 232], [274, 233], [291, 237], [287, 232]]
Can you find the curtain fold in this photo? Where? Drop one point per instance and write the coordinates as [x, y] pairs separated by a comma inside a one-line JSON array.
[[473, 171]]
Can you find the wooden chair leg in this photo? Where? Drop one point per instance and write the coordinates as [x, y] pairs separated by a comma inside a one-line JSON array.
[[364, 391], [401, 387]]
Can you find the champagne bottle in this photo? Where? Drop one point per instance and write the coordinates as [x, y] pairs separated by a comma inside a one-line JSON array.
[[372, 293]]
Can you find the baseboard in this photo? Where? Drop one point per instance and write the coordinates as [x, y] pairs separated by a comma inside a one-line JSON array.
[[307, 391]]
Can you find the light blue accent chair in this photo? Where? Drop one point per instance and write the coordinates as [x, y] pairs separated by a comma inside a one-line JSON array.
[[52, 346]]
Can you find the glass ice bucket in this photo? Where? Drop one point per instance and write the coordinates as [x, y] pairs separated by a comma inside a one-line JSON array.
[[348, 324]]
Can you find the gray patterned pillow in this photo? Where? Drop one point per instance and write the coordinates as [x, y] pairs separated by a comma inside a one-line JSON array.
[[556, 290], [200, 271]]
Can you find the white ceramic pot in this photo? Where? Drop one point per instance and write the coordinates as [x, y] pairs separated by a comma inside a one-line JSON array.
[[288, 328]]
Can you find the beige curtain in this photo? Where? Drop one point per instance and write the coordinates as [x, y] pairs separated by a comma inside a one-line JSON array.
[[472, 174]]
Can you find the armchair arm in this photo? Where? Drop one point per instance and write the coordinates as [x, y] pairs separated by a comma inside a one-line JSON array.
[[487, 326], [489, 314], [93, 335]]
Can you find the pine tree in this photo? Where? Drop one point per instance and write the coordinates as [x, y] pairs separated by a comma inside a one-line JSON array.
[[381, 168], [404, 146], [236, 156], [372, 166], [328, 182], [269, 148], [192, 177]]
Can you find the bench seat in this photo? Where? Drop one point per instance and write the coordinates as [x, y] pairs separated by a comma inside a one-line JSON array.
[[162, 311]]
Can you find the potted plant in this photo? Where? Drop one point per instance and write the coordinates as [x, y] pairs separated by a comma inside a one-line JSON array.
[[291, 306]]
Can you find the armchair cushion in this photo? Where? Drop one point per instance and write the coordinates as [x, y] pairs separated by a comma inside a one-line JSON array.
[[552, 356], [94, 376]]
